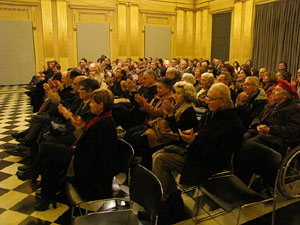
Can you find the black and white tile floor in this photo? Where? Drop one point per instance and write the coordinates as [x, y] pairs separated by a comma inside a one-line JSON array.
[[17, 198]]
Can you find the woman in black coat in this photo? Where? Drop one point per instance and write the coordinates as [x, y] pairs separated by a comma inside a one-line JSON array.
[[92, 160]]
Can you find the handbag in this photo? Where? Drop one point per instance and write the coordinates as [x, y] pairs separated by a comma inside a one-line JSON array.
[[58, 129], [160, 133]]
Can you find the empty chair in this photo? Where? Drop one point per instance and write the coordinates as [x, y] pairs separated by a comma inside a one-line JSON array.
[[144, 188], [231, 191]]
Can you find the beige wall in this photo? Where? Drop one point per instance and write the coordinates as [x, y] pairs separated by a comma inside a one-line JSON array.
[[54, 25]]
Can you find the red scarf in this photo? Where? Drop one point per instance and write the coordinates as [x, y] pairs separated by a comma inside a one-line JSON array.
[[91, 123]]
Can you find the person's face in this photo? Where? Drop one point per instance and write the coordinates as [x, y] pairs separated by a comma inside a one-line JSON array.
[[248, 62], [153, 66], [222, 79], [162, 89], [242, 75], [298, 74], [266, 78], [249, 87], [92, 68], [183, 64], [204, 65], [262, 72], [190, 63], [170, 75], [174, 63], [224, 70], [198, 64], [106, 61], [281, 66], [118, 76], [179, 96], [148, 80], [82, 63], [51, 65], [197, 74], [96, 108], [279, 76], [75, 85], [278, 94], [84, 94], [214, 101], [204, 82]]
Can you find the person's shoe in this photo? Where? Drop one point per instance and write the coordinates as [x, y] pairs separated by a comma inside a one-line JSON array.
[[27, 175], [9, 146], [44, 205], [18, 135], [24, 167], [38, 193]]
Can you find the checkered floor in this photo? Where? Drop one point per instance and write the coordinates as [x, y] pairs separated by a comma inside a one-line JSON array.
[[17, 198]]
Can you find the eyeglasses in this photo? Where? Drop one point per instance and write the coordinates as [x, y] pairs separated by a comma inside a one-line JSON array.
[[247, 84], [211, 99], [82, 89]]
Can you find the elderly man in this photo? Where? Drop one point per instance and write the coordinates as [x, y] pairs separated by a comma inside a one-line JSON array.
[[278, 126], [226, 79], [251, 101], [207, 151], [172, 74]]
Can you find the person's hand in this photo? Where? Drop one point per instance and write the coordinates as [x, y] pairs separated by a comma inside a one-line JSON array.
[[168, 107], [188, 136], [56, 84], [140, 99], [77, 122], [124, 85], [65, 112], [54, 97], [42, 77], [293, 80], [263, 129], [241, 99]]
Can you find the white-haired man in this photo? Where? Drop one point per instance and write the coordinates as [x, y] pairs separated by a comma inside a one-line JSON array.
[[207, 151]]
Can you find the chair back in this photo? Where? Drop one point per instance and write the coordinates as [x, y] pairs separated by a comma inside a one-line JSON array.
[[262, 161], [125, 156], [145, 189]]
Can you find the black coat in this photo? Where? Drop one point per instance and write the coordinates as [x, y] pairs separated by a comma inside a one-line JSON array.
[[219, 135], [95, 159]]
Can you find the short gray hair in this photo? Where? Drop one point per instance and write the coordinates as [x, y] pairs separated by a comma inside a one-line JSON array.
[[210, 77], [254, 80], [188, 77], [222, 90], [189, 93]]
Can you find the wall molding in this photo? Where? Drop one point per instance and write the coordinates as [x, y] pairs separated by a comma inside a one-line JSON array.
[[9, 13], [91, 7], [95, 17], [27, 3], [161, 13]]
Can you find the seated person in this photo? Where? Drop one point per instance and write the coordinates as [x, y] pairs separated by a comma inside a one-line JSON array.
[[269, 83], [278, 125], [94, 155], [128, 114], [251, 101], [207, 79], [178, 115], [208, 149]]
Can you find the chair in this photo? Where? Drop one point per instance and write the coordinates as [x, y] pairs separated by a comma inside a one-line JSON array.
[[230, 192], [125, 153], [144, 188]]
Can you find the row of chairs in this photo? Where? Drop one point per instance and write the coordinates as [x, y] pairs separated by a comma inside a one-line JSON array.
[[228, 190]]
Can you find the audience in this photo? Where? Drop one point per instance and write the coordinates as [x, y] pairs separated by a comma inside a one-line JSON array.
[[156, 113]]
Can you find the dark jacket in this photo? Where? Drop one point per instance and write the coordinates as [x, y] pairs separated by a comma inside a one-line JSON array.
[[252, 108], [95, 159], [219, 135], [284, 123]]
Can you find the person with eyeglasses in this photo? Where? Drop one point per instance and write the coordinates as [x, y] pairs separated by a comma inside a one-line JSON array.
[[251, 101], [208, 150]]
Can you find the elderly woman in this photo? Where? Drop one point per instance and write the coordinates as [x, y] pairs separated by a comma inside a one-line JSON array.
[[207, 79], [96, 73], [269, 84], [92, 159], [177, 115], [188, 77]]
